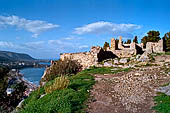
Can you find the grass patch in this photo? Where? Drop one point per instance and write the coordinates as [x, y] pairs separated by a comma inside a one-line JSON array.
[[162, 103], [105, 70], [68, 100], [167, 53], [165, 84]]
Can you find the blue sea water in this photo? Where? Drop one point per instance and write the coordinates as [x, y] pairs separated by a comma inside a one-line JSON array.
[[33, 74]]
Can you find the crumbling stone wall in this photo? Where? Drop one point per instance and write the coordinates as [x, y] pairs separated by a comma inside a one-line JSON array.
[[120, 44], [123, 50], [154, 47], [86, 59], [124, 53], [97, 54]]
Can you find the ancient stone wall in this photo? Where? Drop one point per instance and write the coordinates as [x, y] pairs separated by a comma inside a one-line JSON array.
[[113, 44], [154, 47], [120, 44], [86, 59], [97, 54], [124, 53]]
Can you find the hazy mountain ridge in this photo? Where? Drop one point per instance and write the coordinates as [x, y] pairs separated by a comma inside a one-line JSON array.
[[12, 56]]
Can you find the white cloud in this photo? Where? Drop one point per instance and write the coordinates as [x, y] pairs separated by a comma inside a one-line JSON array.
[[34, 26], [69, 38], [29, 45], [83, 46], [5, 44], [54, 42], [34, 45], [102, 27]]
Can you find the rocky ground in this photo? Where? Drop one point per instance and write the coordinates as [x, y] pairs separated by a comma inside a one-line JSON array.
[[129, 92]]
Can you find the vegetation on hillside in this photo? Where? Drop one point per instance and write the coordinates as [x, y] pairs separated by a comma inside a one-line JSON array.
[[69, 98], [162, 103], [135, 39], [105, 46], [3, 79], [62, 67], [166, 39], [12, 56], [152, 36], [128, 41], [8, 103]]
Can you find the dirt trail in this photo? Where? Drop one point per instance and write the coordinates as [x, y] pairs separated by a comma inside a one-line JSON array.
[[127, 92]]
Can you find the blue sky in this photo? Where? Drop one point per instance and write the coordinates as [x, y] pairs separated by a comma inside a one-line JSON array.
[[46, 28]]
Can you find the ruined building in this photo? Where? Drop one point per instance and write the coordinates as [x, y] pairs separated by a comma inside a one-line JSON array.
[[97, 54]]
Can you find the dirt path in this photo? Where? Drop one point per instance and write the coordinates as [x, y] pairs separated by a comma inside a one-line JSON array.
[[127, 92]]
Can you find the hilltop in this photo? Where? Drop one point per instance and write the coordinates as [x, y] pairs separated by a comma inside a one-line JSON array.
[[12, 56]]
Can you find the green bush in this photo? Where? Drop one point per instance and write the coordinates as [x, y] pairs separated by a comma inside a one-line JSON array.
[[62, 67], [65, 67], [59, 83]]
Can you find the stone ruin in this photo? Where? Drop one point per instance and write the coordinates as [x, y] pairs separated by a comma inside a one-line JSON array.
[[116, 50]]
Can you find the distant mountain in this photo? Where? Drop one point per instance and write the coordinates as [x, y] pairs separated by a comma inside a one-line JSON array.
[[12, 56]]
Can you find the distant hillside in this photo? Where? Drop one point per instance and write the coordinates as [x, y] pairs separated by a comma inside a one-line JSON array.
[[11, 56]]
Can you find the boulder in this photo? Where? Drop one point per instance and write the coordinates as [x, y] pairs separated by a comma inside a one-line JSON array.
[[108, 64], [144, 57], [116, 61], [123, 60], [165, 89]]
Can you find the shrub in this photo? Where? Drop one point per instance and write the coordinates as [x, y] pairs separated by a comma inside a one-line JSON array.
[[62, 67], [59, 83], [65, 67]]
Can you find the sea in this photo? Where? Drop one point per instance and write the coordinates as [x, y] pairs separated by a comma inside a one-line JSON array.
[[32, 75]]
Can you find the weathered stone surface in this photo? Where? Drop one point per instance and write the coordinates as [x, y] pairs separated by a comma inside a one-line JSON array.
[[116, 61], [86, 59], [97, 54], [138, 56], [165, 89], [113, 44], [144, 57], [123, 60], [108, 64], [120, 44], [156, 47]]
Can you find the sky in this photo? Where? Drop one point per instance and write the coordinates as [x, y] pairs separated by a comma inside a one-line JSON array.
[[46, 28]]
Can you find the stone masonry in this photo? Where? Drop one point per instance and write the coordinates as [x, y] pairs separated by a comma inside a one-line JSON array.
[[86, 59], [97, 54]]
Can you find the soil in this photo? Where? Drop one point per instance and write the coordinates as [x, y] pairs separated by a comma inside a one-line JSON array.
[[128, 92]]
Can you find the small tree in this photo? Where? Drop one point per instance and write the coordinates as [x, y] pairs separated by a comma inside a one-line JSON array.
[[135, 39], [105, 46], [128, 41], [166, 39], [153, 36]]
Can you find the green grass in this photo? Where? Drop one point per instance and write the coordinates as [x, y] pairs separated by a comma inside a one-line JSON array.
[[165, 84], [105, 70], [69, 100], [162, 103], [167, 53]]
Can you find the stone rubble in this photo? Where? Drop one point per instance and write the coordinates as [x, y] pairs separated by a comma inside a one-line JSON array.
[[131, 92]]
